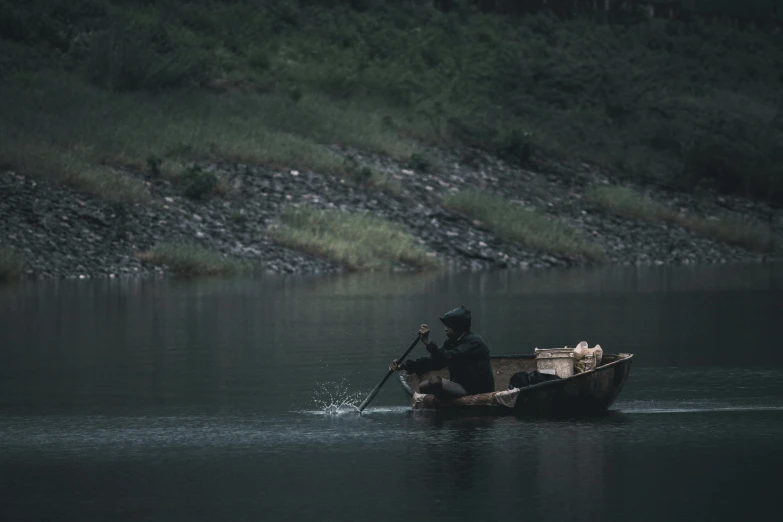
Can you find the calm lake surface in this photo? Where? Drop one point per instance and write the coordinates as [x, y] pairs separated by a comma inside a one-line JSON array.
[[217, 400]]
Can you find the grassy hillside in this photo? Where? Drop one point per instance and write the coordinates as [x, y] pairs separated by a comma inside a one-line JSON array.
[[88, 86]]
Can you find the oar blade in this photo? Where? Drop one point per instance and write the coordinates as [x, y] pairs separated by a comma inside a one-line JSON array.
[[375, 390]]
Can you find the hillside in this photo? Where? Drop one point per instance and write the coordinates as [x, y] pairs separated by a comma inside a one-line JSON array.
[[126, 107]]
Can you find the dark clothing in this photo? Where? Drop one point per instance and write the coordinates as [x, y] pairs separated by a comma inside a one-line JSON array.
[[525, 379], [467, 359], [443, 389], [457, 319]]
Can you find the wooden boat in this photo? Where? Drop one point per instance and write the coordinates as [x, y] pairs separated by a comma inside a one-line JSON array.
[[583, 394]]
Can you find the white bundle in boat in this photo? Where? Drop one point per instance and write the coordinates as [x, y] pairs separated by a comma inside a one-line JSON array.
[[587, 358], [556, 361]]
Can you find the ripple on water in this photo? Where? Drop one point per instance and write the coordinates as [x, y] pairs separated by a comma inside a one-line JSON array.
[[696, 406]]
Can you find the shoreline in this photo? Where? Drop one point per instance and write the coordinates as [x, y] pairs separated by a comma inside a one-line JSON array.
[[63, 233]]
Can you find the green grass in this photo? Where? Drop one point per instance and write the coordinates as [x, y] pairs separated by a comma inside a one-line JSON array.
[[60, 127], [11, 264], [629, 203], [74, 163], [512, 222], [384, 183], [360, 242], [276, 83], [190, 259], [736, 231], [656, 99]]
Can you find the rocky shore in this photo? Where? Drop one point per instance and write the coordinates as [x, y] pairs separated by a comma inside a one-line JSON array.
[[64, 233]]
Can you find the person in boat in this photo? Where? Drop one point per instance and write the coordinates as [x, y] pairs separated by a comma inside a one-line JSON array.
[[465, 354]]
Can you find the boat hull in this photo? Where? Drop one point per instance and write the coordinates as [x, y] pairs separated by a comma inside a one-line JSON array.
[[585, 394]]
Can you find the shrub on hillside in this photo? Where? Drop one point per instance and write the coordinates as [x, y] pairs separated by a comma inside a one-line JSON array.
[[420, 162], [515, 146], [367, 176], [198, 182], [154, 164], [129, 57], [52, 22], [722, 163], [361, 174], [634, 96], [754, 169]]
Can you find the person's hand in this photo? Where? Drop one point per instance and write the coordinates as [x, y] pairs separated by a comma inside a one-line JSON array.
[[424, 334], [395, 366]]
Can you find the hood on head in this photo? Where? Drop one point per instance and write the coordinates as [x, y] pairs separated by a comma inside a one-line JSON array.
[[457, 319]]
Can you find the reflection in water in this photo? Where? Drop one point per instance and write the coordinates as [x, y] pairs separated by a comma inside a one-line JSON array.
[[641, 279], [230, 400], [449, 463], [570, 472]]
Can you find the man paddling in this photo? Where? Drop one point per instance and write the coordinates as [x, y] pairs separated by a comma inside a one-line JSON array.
[[465, 354]]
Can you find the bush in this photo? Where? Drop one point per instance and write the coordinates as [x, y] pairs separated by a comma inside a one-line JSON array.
[[366, 176], [515, 146], [132, 57], [639, 96], [199, 183], [420, 162], [361, 174], [733, 167], [259, 59], [153, 165]]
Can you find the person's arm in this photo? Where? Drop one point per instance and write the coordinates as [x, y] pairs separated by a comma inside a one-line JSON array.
[[433, 361], [463, 350], [425, 364]]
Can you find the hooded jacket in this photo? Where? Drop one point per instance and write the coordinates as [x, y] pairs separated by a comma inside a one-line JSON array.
[[467, 356]]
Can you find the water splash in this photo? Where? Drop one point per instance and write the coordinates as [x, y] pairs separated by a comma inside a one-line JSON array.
[[336, 398]]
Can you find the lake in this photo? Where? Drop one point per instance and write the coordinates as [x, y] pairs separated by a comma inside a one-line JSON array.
[[169, 400]]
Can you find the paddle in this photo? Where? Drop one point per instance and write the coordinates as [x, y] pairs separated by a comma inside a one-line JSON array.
[[375, 391]]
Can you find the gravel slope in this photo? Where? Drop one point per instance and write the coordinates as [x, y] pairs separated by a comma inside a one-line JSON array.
[[65, 233]]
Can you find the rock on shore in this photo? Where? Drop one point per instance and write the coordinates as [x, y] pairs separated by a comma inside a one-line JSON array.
[[64, 233]]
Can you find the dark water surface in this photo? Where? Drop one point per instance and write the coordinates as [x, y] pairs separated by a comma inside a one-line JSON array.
[[214, 400]]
